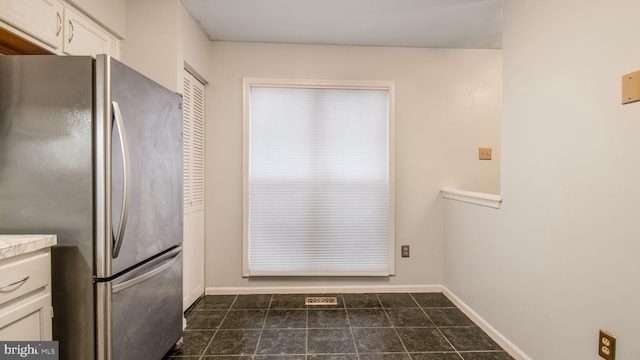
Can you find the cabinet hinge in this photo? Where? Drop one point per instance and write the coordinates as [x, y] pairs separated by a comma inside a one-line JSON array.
[[52, 312]]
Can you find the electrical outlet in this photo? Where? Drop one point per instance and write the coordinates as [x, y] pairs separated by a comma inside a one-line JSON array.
[[405, 250], [607, 345]]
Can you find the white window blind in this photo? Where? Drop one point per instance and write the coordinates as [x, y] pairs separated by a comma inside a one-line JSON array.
[[318, 180]]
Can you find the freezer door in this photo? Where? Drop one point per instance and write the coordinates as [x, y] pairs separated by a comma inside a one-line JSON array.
[[146, 168], [147, 309]]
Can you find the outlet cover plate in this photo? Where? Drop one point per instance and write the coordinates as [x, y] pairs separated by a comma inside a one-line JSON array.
[[631, 87], [405, 251], [484, 153], [607, 345]]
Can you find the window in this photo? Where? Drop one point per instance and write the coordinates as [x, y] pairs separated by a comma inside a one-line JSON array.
[[318, 178]]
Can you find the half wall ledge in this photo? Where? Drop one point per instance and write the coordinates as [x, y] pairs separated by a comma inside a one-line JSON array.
[[482, 199]]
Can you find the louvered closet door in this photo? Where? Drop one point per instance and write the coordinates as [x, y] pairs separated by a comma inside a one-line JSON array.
[[193, 137], [193, 143]]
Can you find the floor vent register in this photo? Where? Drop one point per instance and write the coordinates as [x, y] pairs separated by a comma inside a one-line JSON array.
[[320, 300]]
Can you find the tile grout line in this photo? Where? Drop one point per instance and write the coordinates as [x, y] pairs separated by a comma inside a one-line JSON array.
[[217, 328], [437, 328], [306, 332], [394, 327], [353, 337], [264, 323]]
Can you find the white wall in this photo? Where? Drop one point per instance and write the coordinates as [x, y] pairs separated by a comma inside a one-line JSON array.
[[161, 37], [470, 116], [109, 13], [151, 45], [442, 97], [193, 44], [560, 259]]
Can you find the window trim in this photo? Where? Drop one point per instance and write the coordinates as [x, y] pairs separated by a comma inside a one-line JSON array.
[[247, 84]]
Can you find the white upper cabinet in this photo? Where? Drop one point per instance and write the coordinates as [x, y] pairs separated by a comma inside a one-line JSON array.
[[39, 20], [58, 27], [84, 37]]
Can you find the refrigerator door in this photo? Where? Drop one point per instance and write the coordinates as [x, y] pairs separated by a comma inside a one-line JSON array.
[[46, 179], [146, 168], [147, 308]]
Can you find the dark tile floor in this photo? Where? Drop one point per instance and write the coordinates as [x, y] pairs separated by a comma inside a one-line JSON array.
[[417, 326]]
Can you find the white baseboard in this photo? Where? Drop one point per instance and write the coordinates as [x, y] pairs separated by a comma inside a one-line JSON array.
[[356, 289], [505, 343]]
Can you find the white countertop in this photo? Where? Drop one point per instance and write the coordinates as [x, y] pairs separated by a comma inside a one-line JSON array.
[[14, 245]]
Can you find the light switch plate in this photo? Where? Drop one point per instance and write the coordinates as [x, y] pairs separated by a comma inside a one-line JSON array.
[[484, 153], [631, 87]]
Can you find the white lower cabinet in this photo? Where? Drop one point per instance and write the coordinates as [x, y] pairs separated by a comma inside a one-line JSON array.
[[27, 320], [25, 297]]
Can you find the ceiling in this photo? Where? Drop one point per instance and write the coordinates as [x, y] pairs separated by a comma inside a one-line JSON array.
[[466, 24]]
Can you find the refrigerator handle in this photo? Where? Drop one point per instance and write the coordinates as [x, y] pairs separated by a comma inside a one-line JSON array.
[[169, 259], [122, 224]]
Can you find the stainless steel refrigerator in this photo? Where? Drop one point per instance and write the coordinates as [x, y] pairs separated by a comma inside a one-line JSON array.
[[91, 151]]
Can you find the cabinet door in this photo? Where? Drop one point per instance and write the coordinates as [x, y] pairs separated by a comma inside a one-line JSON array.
[[39, 19], [84, 37], [27, 320]]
